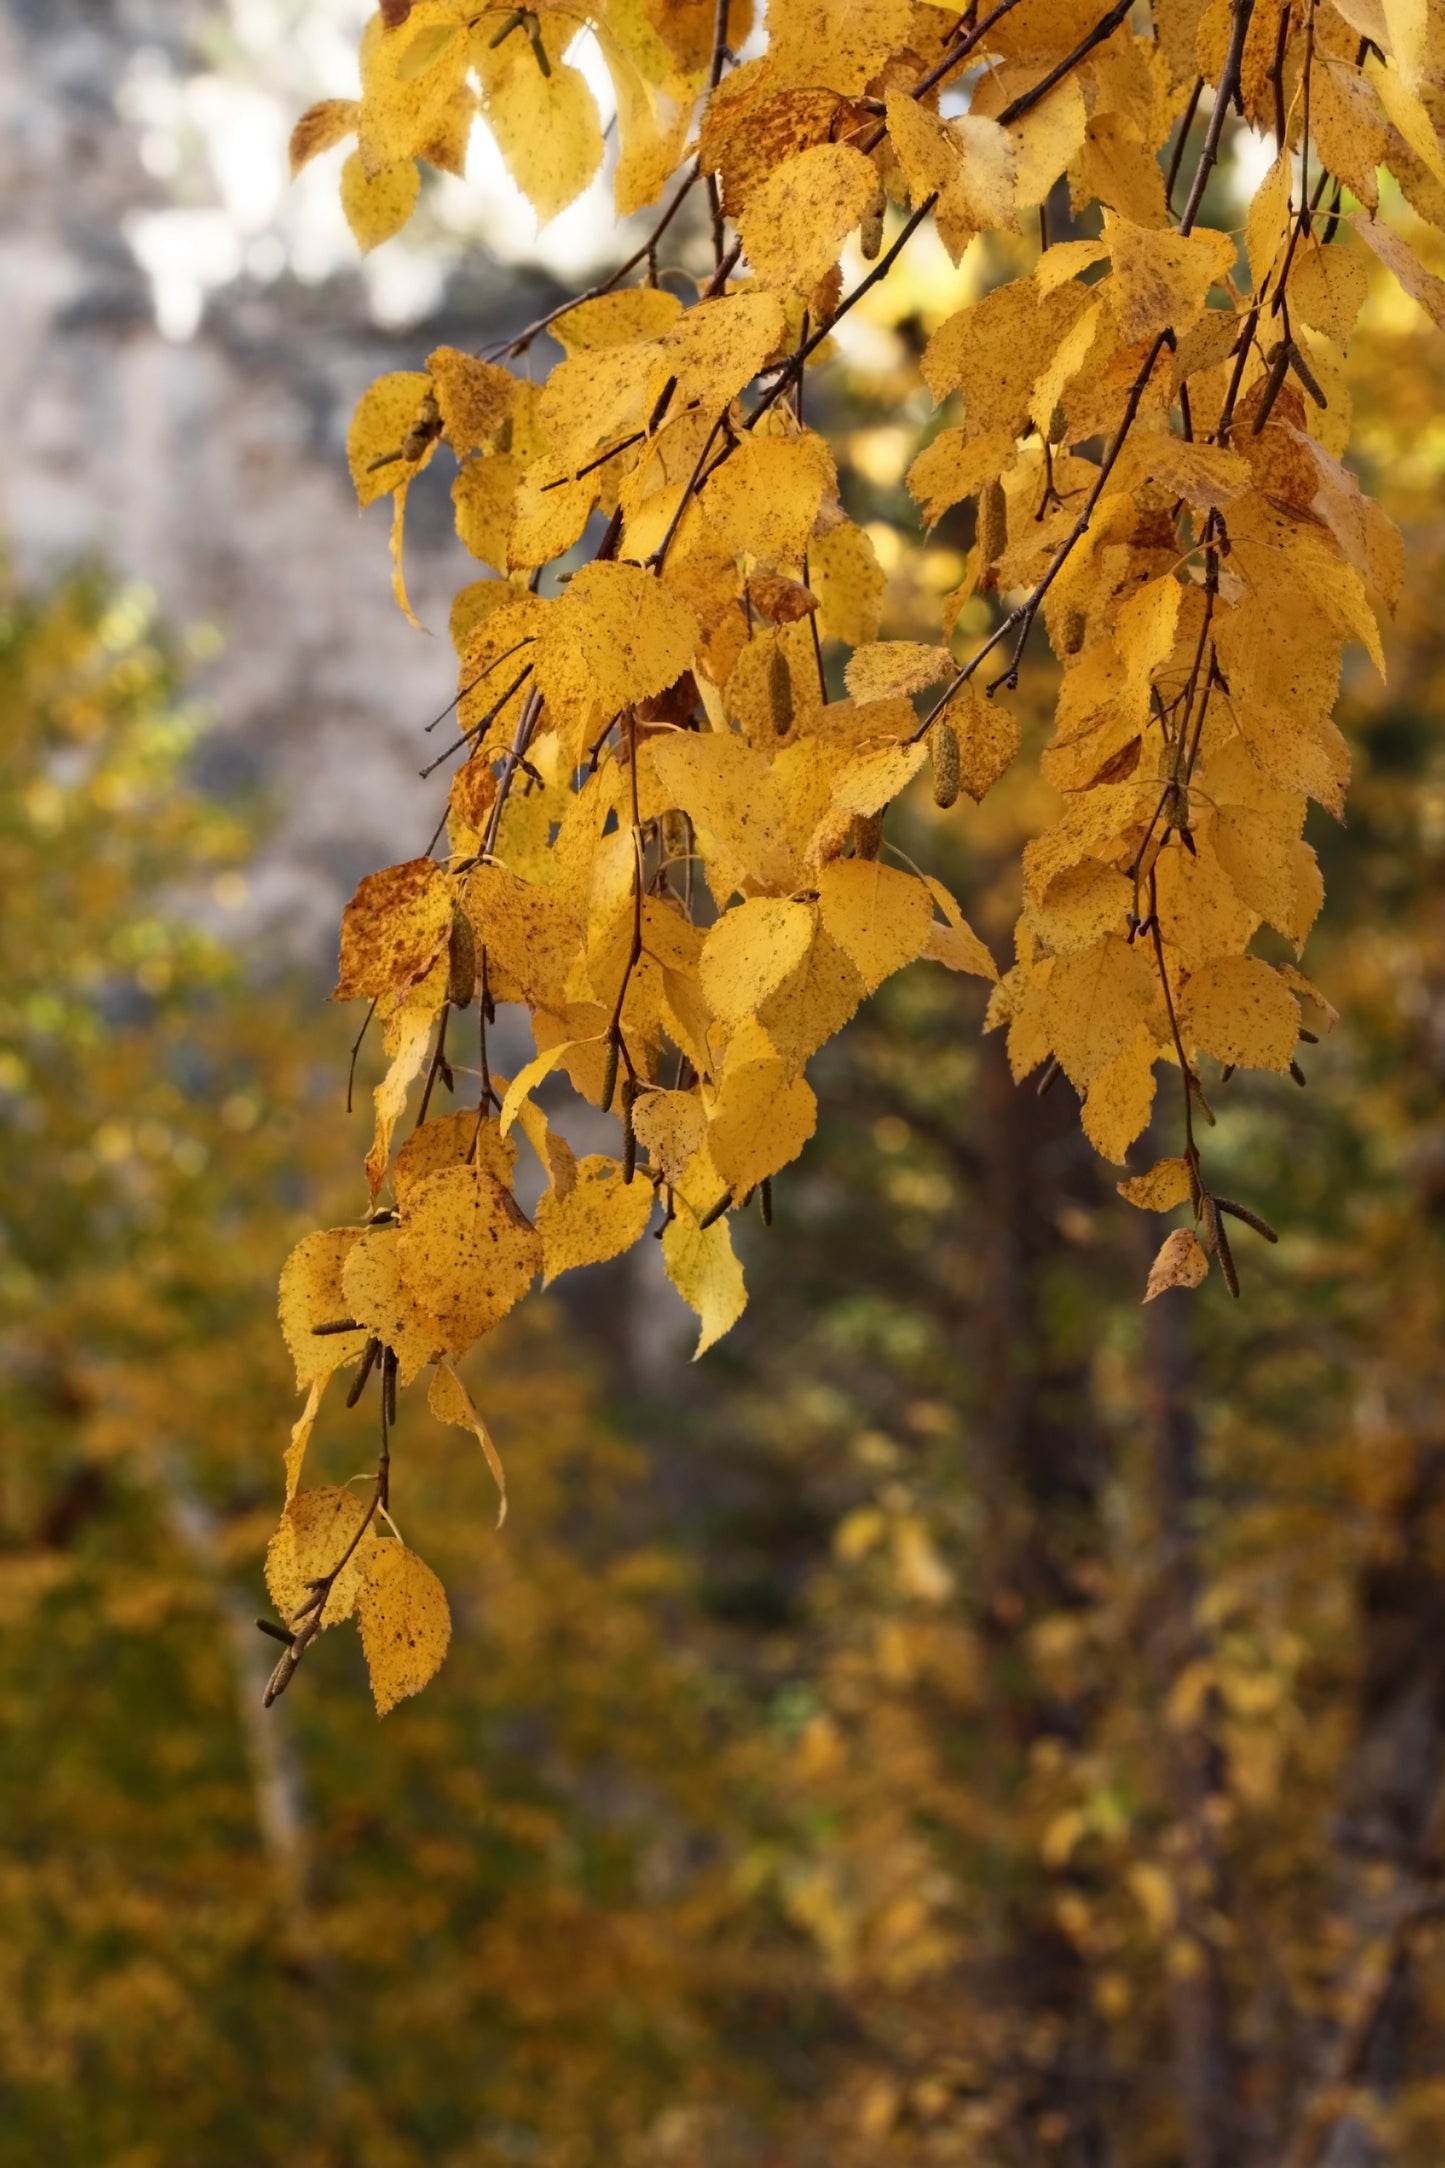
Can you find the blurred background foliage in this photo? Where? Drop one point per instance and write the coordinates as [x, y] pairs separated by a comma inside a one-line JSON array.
[[967, 1719]]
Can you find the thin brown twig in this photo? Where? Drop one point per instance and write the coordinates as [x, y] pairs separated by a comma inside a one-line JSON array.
[[1228, 83]]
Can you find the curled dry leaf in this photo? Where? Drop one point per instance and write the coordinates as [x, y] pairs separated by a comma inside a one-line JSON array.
[[1182, 1262]]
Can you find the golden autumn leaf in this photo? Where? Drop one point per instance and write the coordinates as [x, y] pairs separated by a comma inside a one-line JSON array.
[[318, 1529], [378, 205], [614, 637], [669, 1126], [749, 951], [1239, 1009], [311, 1295], [702, 1267], [601, 1215], [401, 1609], [377, 443], [450, 1402], [320, 128], [878, 915], [466, 1253], [797, 220], [393, 929], [1165, 1185], [885, 668], [378, 1296], [474, 397]]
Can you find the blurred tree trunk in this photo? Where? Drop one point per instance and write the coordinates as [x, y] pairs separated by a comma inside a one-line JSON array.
[[1206, 2088], [1040, 1471], [1391, 1835]]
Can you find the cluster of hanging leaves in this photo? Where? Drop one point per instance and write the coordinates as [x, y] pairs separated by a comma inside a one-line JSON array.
[[667, 841]]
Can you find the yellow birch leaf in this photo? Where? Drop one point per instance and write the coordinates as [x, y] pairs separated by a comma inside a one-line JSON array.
[[450, 1402], [377, 205], [467, 1253], [301, 1431], [548, 515], [1201, 913], [958, 464], [1120, 1099], [1165, 1185], [1240, 1010], [1181, 1262], [378, 1296], [749, 951], [615, 636], [995, 351], [547, 129], [310, 1295], [407, 1034], [815, 1000], [959, 949], [1253, 831], [1207, 476], [1308, 991], [617, 319], [967, 164], [1047, 141], [530, 937], [398, 541], [842, 43], [1119, 168], [878, 915], [1096, 1000], [320, 128], [474, 397], [1268, 219], [955, 944], [596, 398], [725, 787], [763, 500], [450, 140], [484, 497], [1413, 29], [379, 429], [1328, 288], [652, 127], [1408, 113], [1080, 904], [887, 668], [713, 350], [393, 929], [1144, 633], [845, 575], [1347, 125], [1283, 672], [472, 607], [1398, 257], [401, 1609], [875, 779], [988, 739], [1160, 278], [601, 1216], [760, 1122], [316, 1530], [795, 222], [702, 1267], [669, 1126], [409, 75], [453, 1140]]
